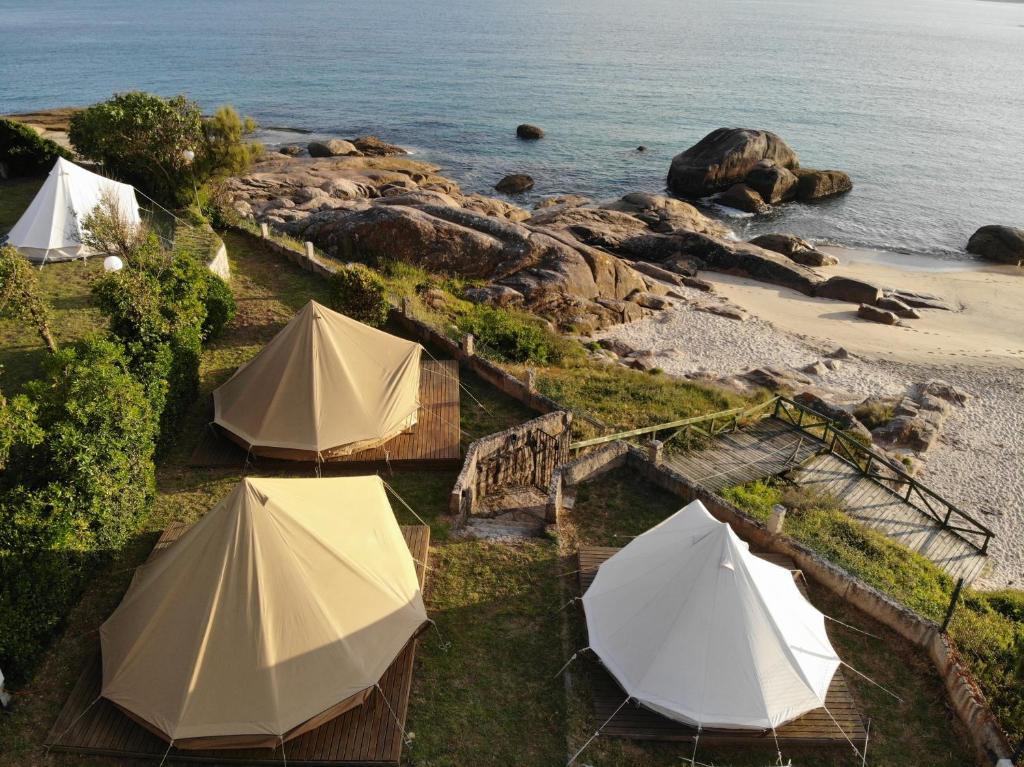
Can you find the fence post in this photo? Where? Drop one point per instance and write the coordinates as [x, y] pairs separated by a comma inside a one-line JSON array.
[[310, 252], [776, 520], [468, 345], [952, 605], [264, 230], [406, 307], [655, 449], [531, 380]]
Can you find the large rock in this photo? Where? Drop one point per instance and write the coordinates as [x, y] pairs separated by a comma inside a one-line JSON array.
[[795, 249], [515, 183], [819, 184], [874, 314], [371, 146], [913, 432], [775, 184], [725, 157], [844, 419], [1004, 244], [898, 308], [848, 289], [742, 197], [667, 215], [562, 201], [529, 132], [334, 147]]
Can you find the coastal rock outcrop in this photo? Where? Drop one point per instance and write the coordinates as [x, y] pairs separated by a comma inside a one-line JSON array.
[[725, 157], [794, 248], [334, 147], [848, 289], [742, 197], [666, 214], [372, 146], [819, 184], [515, 183], [529, 132], [1004, 244], [874, 314], [774, 183]]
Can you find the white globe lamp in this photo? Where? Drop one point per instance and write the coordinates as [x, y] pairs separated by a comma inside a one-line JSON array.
[[112, 264]]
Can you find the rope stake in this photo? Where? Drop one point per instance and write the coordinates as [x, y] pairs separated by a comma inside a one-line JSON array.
[[596, 733]]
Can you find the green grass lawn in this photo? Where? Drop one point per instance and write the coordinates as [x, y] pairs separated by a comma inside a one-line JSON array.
[[921, 730]]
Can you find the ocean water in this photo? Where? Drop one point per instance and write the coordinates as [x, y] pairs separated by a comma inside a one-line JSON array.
[[921, 101]]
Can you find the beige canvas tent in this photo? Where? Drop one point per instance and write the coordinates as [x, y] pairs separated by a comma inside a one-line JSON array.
[[277, 611], [324, 387]]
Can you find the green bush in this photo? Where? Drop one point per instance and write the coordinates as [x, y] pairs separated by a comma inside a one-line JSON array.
[[24, 152], [513, 336], [220, 305], [142, 138], [82, 481], [360, 293], [156, 308]]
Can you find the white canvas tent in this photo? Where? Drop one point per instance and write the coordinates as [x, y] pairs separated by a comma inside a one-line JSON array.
[[696, 628], [51, 228]]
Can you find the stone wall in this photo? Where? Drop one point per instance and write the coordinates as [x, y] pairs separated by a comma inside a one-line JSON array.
[[519, 463], [964, 696]]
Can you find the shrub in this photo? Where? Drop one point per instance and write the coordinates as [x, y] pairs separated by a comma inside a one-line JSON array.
[[82, 482], [875, 412], [360, 293], [20, 297], [514, 336], [24, 152], [220, 305], [107, 229], [142, 138]]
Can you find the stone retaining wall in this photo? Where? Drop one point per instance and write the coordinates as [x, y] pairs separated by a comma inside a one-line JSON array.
[[962, 690]]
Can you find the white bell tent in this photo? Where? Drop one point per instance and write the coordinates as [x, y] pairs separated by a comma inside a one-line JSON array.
[[51, 228], [695, 627]]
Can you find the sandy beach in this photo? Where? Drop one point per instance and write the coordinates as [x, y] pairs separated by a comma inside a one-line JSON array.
[[978, 460]]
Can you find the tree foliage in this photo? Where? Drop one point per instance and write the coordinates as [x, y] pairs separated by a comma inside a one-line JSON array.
[[20, 297], [360, 293], [145, 139], [23, 152]]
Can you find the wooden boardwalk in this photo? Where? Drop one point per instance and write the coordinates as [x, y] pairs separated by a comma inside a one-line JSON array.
[[874, 505], [432, 443], [366, 735], [765, 449], [633, 722]]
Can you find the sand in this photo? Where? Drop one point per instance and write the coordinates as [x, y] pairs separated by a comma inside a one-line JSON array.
[[978, 461]]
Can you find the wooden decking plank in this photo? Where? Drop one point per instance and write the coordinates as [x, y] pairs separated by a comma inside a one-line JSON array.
[[367, 734], [432, 442], [636, 723]]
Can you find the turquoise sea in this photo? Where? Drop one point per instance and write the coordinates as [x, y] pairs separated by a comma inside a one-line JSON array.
[[921, 101]]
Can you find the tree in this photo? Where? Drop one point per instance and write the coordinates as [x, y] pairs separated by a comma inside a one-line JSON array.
[[23, 152], [142, 139], [107, 229], [20, 298], [164, 146]]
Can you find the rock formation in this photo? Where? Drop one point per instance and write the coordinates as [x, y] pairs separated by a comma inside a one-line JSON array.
[[515, 183], [529, 132], [1004, 244], [819, 184], [794, 248], [742, 197], [725, 157], [334, 147]]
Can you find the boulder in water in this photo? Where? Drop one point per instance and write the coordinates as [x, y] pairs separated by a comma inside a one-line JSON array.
[[529, 132], [742, 197], [775, 184], [371, 146], [819, 184], [515, 183], [724, 157], [1004, 244]]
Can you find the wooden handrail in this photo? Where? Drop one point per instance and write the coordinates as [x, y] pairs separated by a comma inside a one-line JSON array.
[[853, 448], [734, 413]]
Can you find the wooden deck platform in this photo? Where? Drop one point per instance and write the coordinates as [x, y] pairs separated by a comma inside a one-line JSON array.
[[634, 722], [872, 504], [764, 449], [365, 735], [432, 443]]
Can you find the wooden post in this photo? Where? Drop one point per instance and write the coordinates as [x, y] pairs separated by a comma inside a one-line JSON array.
[[310, 252], [468, 345], [406, 307], [952, 605], [776, 520], [264, 230], [655, 450]]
